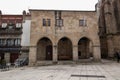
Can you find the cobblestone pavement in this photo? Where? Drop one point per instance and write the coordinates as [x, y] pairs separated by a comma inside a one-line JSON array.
[[106, 70]]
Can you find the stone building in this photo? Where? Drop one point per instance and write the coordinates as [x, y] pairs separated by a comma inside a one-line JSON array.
[[63, 35], [109, 26]]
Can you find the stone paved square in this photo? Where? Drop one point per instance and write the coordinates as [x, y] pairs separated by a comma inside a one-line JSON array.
[[107, 68]]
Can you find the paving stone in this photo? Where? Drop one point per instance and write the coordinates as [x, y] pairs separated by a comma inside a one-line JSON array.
[[110, 70]]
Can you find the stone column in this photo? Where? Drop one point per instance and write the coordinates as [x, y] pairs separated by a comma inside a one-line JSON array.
[[55, 55], [75, 53], [32, 55], [7, 57], [96, 53], [110, 46]]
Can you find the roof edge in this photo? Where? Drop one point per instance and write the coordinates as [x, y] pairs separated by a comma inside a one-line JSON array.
[[62, 10]]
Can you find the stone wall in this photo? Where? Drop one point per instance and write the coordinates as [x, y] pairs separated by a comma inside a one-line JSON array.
[[109, 25], [70, 29]]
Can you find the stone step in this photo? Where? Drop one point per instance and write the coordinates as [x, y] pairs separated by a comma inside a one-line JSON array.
[[44, 63]]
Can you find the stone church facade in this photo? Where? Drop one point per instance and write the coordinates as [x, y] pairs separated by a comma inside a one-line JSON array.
[[63, 35], [109, 26]]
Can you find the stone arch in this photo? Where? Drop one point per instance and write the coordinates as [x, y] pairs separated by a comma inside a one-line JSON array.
[[65, 49], [50, 38], [68, 37], [44, 49], [85, 37], [85, 49]]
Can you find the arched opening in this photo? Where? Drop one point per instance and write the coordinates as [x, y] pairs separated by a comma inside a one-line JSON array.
[[65, 49], [84, 48], [44, 49]]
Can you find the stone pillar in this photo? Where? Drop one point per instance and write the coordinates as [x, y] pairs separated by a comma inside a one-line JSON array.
[[96, 53], [108, 18], [7, 57], [55, 55], [75, 53], [32, 56], [110, 46]]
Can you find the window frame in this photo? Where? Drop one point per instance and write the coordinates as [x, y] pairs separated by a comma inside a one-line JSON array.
[[44, 22], [4, 25], [82, 22], [48, 22], [59, 22], [18, 25]]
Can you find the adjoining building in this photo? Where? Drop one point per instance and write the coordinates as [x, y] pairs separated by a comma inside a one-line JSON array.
[[10, 36], [11, 31], [63, 35], [109, 27], [25, 38]]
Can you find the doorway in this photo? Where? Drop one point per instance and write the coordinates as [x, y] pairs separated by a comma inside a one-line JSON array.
[[44, 49], [84, 48], [49, 52], [65, 49]]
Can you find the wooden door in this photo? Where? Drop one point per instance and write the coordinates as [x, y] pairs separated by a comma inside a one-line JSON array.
[[49, 52], [13, 57], [1, 56]]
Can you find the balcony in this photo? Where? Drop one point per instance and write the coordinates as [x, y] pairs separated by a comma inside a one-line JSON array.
[[10, 48], [16, 31]]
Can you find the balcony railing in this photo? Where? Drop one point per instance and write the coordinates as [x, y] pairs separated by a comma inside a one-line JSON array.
[[10, 49], [6, 48], [11, 31], [12, 46]]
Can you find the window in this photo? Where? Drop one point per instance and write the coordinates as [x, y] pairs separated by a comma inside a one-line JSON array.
[[46, 22], [59, 14], [4, 25], [2, 42], [10, 42], [17, 42], [59, 22], [82, 22], [58, 18], [11, 26], [18, 25]]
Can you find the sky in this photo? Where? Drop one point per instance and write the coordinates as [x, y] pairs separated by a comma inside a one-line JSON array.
[[17, 6]]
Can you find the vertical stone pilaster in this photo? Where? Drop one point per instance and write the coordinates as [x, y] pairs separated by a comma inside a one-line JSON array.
[[110, 46], [75, 53], [7, 57], [96, 53], [32, 55], [55, 54]]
